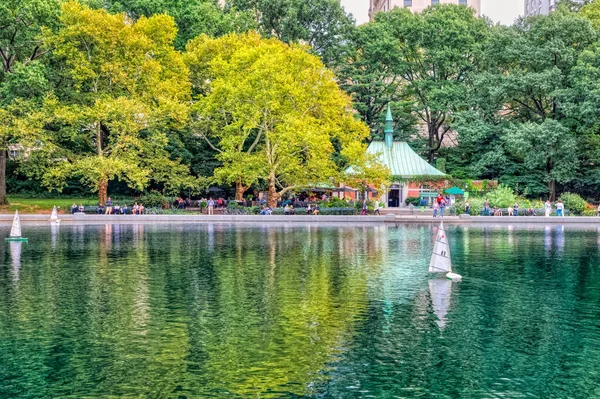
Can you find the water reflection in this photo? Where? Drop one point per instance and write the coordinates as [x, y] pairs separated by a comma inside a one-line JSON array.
[[297, 311], [15, 256]]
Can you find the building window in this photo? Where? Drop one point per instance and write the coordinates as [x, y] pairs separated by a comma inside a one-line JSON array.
[[407, 3], [462, 2], [434, 2]]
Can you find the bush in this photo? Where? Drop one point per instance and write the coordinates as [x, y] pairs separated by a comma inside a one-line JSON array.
[[412, 200], [502, 197], [590, 212], [334, 203], [476, 206], [573, 203], [153, 199]]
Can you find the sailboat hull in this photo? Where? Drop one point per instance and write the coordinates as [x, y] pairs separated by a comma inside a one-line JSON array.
[[453, 276], [18, 239]]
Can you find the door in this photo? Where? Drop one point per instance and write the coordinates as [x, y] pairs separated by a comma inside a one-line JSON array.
[[394, 198]]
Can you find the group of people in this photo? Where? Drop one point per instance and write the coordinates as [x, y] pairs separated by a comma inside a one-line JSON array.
[[116, 209], [439, 205], [514, 210]]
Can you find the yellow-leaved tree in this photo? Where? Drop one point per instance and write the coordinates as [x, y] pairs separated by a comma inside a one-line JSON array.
[[124, 87], [273, 112]]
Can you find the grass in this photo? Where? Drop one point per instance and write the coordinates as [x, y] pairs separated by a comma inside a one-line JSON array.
[[45, 205]]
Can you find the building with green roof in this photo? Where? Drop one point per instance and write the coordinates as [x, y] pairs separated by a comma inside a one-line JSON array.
[[405, 164]]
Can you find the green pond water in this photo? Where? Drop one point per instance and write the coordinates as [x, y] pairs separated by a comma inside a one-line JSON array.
[[302, 311]]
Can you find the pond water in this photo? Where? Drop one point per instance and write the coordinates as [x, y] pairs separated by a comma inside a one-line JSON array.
[[303, 311]]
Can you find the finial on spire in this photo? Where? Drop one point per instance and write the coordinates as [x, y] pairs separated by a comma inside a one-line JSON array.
[[389, 128]]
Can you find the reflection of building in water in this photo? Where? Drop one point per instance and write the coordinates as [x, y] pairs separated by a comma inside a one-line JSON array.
[[15, 255]]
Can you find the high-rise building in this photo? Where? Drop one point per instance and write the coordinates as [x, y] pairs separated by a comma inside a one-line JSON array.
[[541, 7], [418, 5]]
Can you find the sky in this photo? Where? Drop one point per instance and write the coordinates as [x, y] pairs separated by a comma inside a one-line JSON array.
[[503, 11]]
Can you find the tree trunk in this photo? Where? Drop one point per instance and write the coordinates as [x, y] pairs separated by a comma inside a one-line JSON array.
[[430, 143], [102, 192], [3, 199], [552, 190], [273, 195], [240, 189]]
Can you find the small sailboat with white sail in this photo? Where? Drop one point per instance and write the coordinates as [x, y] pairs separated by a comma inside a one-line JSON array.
[[15, 231], [54, 217], [440, 258]]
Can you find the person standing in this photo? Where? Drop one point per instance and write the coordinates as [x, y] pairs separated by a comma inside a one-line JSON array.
[[486, 208], [516, 209], [377, 207], [467, 207], [109, 206], [442, 207], [560, 209], [364, 207], [547, 208], [211, 206], [436, 208]]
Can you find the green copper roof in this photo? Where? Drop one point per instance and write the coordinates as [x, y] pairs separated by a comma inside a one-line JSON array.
[[402, 160]]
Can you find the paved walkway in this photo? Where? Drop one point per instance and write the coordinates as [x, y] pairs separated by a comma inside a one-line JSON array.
[[463, 219]]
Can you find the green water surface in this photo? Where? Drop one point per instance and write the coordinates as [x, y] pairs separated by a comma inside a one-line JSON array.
[[302, 311]]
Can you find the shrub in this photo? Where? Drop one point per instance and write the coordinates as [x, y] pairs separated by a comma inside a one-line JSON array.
[[502, 197], [590, 212], [573, 203], [476, 206], [334, 203], [153, 199], [412, 200]]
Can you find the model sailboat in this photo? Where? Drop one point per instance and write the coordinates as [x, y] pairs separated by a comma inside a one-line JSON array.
[[54, 217], [440, 258], [15, 231]]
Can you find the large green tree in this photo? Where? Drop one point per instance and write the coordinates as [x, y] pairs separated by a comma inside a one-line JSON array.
[[23, 77], [522, 98], [123, 86], [274, 112], [424, 58], [322, 24]]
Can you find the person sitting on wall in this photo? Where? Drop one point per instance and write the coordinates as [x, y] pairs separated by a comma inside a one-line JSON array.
[[316, 210], [292, 209], [100, 208], [74, 208], [116, 209], [125, 210], [81, 208], [286, 209]]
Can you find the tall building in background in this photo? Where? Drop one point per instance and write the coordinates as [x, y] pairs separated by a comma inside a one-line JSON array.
[[418, 5], [541, 7]]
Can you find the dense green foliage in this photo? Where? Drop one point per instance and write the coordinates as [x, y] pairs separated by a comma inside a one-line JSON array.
[[93, 97]]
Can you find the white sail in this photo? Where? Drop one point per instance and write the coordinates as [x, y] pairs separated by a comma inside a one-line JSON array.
[[440, 258], [15, 231], [440, 291], [15, 254], [54, 216]]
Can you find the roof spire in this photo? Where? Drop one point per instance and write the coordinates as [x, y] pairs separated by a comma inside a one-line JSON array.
[[389, 128]]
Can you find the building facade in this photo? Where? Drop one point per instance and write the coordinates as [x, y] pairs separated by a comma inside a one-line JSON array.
[[418, 5], [541, 7]]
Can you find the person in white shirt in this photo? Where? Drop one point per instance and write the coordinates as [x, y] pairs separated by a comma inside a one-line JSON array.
[[377, 206], [211, 206], [560, 209], [548, 208]]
